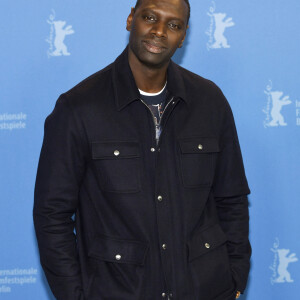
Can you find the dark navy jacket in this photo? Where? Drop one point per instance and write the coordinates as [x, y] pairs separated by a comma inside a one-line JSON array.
[[151, 221]]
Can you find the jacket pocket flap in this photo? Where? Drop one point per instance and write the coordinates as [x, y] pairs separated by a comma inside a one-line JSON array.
[[120, 251], [206, 241], [115, 149], [199, 145]]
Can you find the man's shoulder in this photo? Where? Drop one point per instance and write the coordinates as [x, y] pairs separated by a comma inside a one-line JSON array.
[[198, 85], [193, 80], [94, 83], [88, 93]]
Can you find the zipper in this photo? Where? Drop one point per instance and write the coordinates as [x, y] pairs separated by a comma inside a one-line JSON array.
[[157, 125]]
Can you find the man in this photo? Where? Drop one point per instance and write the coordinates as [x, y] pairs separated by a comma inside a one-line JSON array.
[[146, 155]]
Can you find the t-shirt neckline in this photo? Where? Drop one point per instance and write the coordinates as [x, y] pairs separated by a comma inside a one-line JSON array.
[[153, 94]]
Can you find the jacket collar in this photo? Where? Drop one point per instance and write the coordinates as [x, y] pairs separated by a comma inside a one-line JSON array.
[[125, 89]]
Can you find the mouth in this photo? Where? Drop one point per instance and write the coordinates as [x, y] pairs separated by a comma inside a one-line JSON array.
[[154, 48]]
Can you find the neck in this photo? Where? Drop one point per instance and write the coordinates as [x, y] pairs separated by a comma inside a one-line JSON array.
[[147, 79]]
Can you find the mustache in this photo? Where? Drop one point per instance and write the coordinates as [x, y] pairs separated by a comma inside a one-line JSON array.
[[154, 43]]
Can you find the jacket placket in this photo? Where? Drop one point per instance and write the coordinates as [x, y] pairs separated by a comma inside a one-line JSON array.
[[163, 217]]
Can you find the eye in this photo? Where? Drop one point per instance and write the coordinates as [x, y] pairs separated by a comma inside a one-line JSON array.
[[149, 18], [174, 26]]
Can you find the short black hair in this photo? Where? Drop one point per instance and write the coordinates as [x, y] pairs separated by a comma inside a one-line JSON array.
[[138, 2]]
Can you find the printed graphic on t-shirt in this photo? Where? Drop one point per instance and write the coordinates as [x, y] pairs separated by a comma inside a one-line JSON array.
[[157, 110]]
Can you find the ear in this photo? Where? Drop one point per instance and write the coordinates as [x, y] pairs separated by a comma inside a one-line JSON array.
[[181, 43], [129, 20]]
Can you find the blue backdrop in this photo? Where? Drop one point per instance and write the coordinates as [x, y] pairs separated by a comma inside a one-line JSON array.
[[249, 48]]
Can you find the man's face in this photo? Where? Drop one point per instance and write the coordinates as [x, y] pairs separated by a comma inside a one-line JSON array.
[[157, 28]]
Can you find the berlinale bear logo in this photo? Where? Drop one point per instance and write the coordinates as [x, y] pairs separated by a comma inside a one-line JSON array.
[[282, 259], [216, 31], [276, 101], [58, 32]]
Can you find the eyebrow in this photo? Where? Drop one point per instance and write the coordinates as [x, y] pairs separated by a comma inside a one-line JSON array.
[[155, 12]]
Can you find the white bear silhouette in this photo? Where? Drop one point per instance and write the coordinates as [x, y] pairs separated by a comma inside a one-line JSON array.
[[284, 260], [277, 104], [60, 34], [221, 25]]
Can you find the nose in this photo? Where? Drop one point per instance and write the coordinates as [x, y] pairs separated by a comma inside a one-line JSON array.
[[159, 30]]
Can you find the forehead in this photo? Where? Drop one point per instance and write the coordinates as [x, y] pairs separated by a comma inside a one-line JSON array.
[[178, 7]]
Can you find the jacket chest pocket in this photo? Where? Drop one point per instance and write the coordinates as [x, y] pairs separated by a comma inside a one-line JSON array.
[[197, 160], [118, 165]]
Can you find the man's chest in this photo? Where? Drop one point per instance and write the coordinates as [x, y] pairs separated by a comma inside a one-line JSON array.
[[125, 152]]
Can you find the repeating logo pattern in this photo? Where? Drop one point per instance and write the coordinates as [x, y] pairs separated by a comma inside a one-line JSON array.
[[57, 35], [298, 113], [273, 110], [13, 121], [218, 25], [16, 277], [281, 261]]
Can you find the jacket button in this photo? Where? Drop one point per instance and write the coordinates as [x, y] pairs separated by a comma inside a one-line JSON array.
[[164, 246], [207, 245], [159, 198], [116, 152], [200, 147], [170, 295], [152, 149], [118, 257], [163, 295]]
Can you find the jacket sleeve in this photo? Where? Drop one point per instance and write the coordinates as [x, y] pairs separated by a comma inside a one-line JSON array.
[[60, 171], [230, 190]]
